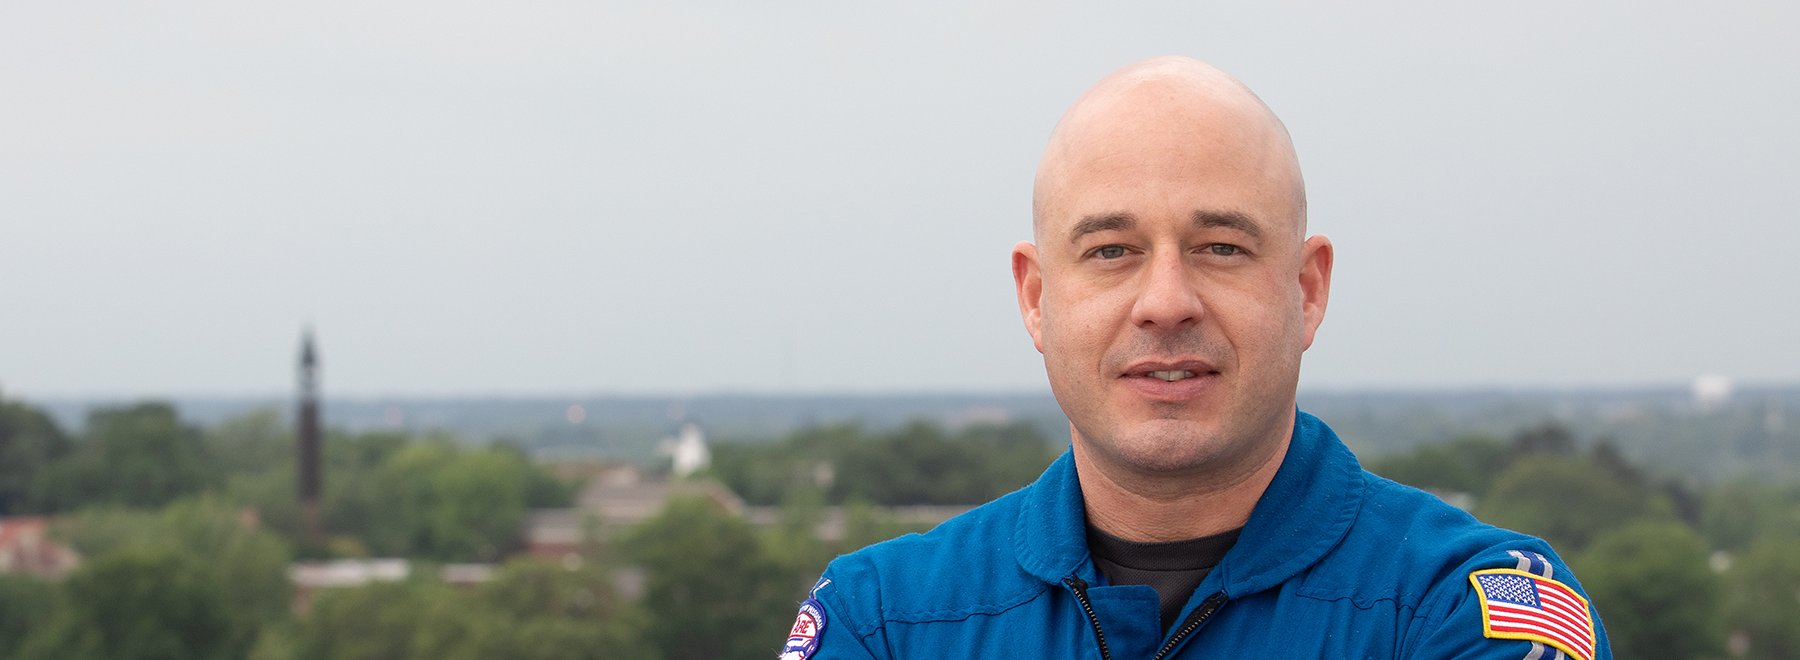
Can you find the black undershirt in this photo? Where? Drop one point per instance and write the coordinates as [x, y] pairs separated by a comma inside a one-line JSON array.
[[1173, 568]]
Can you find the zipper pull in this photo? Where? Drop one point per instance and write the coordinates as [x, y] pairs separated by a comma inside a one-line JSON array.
[[1201, 614]]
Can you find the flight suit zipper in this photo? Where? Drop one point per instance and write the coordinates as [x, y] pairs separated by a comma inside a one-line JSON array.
[[1199, 616], [1079, 586]]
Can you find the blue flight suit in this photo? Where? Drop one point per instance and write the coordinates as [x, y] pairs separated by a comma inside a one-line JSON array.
[[1335, 562]]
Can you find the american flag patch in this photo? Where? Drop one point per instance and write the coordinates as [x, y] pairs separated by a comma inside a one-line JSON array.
[[1519, 605]]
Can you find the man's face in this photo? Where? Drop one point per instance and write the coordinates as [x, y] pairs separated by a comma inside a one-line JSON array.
[[1172, 295]]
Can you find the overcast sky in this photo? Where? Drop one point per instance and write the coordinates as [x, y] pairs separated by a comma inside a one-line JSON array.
[[586, 197]]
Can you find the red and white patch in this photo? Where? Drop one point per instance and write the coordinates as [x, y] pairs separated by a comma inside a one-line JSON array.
[[803, 638]]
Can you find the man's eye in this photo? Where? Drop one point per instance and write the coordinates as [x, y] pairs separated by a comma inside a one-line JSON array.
[[1110, 251], [1224, 249]]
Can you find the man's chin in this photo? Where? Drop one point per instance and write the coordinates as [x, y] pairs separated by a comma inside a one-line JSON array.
[[1164, 446]]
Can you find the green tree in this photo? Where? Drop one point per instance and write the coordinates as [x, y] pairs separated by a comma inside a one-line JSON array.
[[910, 466], [1652, 582], [356, 500], [918, 463], [539, 610], [146, 602], [1546, 438], [530, 610], [1465, 464], [377, 621], [403, 498], [257, 441], [711, 590], [138, 456], [25, 604], [794, 540], [394, 495], [246, 567], [768, 473], [251, 564], [1739, 513], [1764, 601], [435, 500], [480, 505], [29, 442], [273, 496], [865, 524], [1565, 501]]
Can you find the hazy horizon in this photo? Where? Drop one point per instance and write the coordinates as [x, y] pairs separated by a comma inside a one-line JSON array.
[[1735, 386]]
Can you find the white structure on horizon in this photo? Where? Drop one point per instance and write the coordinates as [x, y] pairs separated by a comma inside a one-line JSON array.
[[688, 449], [1711, 391]]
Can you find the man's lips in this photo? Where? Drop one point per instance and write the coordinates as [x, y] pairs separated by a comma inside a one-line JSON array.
[[1170, 381], [1173, 371]]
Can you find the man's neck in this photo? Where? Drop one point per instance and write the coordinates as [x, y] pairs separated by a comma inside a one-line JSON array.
[[1148, 507]]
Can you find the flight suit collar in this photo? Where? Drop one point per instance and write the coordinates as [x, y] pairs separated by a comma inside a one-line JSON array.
[[1305, 512]]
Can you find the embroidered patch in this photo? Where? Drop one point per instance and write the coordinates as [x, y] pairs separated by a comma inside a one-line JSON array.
[[803, 638], [1520, 605]]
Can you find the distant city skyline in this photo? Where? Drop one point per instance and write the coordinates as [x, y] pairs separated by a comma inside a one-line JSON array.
[[571, 199]]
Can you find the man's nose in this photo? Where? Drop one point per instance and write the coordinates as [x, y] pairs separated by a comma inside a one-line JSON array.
[[1169, 297]]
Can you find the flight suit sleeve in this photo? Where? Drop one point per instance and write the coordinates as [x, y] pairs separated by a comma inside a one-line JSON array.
[[1518, 605], [826, 627]]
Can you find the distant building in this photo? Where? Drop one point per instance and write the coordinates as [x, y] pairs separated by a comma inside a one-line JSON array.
[[614, 499], [558, 533], [311, 576], [1711, 392], [623, 496], [618, 498], [688, 451], [347, 572], [309, 480], [26, 548]]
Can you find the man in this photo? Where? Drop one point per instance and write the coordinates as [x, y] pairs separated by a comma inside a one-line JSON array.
[[1171, 288]]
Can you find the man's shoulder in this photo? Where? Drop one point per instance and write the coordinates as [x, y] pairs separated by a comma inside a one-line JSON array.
[[964, 566], [1441, 558], [1397, 543], [1418, 544], [1404, 516]]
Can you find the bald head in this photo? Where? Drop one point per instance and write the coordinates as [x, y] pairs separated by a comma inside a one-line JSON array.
[[1169, 113]]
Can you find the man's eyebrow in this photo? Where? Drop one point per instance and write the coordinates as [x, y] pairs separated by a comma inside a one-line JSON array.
[[1101, 222], [1227, 220]]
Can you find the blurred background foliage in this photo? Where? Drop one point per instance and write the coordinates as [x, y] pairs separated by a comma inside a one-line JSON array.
[[187, 535], [1678, 568], [918, 463]]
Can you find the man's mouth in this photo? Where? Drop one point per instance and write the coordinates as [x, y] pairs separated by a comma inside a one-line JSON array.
[[1171, 380]]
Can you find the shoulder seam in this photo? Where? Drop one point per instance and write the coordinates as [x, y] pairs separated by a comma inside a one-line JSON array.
[[1360, 603]]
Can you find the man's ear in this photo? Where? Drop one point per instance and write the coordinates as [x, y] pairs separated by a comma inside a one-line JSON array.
[[1028, 278], [1315, 282]]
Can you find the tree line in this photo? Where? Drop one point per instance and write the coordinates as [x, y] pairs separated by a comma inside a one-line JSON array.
[[917, 463], [386, 494], [187, 534], [1676, 567]]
